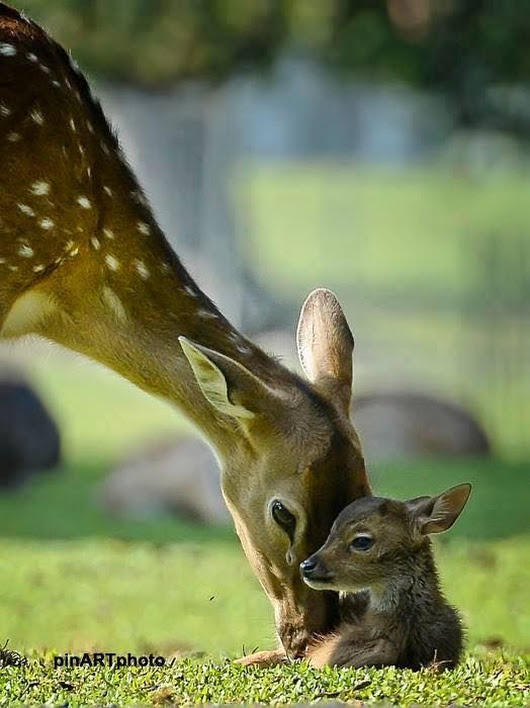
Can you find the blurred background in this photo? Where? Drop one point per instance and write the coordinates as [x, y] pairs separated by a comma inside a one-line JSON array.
[[376, 148]]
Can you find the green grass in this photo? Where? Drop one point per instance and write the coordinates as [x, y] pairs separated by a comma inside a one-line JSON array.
[[498, 679], [118, 595], [380, 228]]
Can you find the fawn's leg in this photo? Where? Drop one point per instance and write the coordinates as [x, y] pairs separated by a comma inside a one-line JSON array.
[[342, 650]]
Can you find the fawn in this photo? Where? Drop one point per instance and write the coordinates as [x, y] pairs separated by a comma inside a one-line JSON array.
[[379, 550]]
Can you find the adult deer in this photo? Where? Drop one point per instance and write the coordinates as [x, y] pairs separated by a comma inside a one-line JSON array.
[[84, 263]]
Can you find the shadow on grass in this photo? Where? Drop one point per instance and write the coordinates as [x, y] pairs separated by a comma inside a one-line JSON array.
[[64, 505]]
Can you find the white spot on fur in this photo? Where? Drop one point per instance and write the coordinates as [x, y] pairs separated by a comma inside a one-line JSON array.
[[207, 315], [104, 148], [4, 110], [44, 68], [141, 269], [108, 233], [190, 291], [40, 188], [137, 195], [112, 262], [7, 50], [107, 190], [235, 338], [72, 125], [32, 57], [38, 268], [89, 127], [46, 224], [143, 228], [13, 137], [26, 251], [114, 302], [95, 243], [37, 117], [56, 83], [165, 268], [84, 202], [25, 209]]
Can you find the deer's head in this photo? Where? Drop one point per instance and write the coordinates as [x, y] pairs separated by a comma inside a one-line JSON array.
[[293, 460]]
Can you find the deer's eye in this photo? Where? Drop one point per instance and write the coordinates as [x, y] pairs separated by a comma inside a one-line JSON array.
[[283, 517], [362, 542]]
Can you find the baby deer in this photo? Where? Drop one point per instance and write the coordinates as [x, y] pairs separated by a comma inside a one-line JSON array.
[[379, 550]]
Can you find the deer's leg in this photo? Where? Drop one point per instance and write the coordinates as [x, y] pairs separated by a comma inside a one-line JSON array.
[[263, 658]]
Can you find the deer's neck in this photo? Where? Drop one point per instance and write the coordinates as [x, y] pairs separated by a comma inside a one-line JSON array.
[[123, 298]]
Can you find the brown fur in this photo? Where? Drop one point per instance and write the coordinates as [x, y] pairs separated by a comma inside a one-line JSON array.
[[99, 277], [401, 617]]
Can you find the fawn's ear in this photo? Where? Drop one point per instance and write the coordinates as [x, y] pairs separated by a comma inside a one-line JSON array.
[[437, 514], [230, 388], [325, 347]]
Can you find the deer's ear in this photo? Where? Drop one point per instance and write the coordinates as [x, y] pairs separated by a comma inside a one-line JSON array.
[[437, 514], [231, 388], [325, 346]]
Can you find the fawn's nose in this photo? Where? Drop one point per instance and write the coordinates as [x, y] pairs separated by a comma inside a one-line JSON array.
[[310, 567]]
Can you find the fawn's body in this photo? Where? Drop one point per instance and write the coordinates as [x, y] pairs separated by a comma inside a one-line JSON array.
[[379, 550], [84, 263]]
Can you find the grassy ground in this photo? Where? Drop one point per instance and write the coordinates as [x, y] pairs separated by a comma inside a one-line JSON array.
[[497, 679], [73, 580]]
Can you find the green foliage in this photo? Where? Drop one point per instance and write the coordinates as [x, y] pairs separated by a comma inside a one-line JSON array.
[[460, 46], [155, 42]]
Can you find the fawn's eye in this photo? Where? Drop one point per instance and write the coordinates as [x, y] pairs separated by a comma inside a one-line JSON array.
[[283, 517], [361, 543]]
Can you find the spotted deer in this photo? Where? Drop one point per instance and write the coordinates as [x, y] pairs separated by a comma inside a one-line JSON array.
[[84, 263], [379, 555]]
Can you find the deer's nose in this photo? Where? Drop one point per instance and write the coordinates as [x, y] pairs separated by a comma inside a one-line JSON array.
[[308, 567]]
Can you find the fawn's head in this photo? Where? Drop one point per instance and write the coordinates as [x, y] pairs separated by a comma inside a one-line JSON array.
[[374, 538], [292, 459]]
